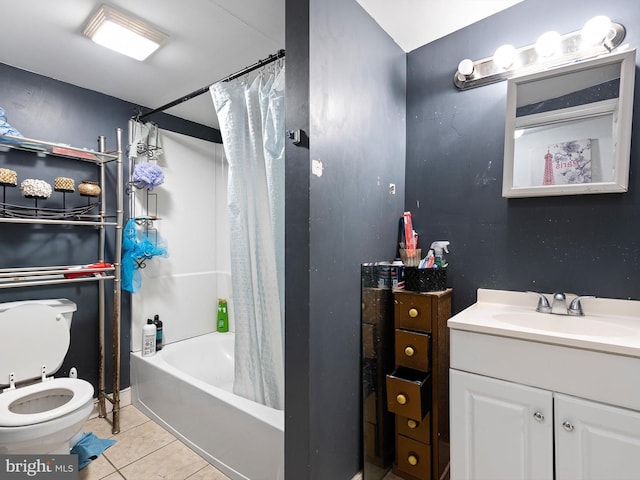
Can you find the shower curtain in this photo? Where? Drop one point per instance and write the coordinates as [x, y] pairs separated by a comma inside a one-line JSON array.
[[251, 117]]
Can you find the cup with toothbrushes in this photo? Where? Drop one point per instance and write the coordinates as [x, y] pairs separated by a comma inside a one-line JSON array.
[[410, 258], [409, 253]]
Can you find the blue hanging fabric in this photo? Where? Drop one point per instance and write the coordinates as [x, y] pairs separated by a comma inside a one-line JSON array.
[[136, 248]]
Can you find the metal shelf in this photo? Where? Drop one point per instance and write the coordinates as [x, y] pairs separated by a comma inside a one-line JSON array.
[[38, 276], [82, 216], [43, 148]]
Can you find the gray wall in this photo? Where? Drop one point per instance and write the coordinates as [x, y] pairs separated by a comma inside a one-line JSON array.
[[47, 109], [356, 112], [586, 244]]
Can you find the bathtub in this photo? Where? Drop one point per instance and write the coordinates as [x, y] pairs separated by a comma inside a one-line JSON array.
[[187, 387]]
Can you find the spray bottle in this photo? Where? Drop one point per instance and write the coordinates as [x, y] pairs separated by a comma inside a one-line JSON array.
[[439, 248]]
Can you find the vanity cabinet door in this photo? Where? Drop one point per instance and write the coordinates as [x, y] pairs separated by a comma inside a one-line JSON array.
[[499, 430], [595, 440]]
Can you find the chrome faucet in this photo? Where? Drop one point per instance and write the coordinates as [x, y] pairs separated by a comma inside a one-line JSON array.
[[559, 305]]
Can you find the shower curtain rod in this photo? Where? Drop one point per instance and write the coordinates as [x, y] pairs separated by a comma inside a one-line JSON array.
[[200, 91]]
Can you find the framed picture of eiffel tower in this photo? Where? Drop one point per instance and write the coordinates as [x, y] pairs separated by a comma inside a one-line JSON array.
[[567, 163]]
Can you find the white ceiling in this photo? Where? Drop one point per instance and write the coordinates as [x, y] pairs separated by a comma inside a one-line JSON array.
[[209, 40], [414, 23]]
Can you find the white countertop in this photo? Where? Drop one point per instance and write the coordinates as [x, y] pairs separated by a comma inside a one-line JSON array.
[[608, 325]]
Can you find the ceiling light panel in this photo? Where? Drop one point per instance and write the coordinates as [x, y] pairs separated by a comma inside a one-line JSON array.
[[123, 33]]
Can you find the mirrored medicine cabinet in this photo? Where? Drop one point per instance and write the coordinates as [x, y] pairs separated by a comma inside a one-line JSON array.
[[568, 129]]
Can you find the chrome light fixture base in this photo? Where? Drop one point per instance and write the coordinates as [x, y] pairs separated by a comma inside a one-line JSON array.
[[571, 48]]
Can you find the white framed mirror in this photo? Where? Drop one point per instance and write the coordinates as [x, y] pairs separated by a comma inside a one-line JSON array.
[[568, 129]]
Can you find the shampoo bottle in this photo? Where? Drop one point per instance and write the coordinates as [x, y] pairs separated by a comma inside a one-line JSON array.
[[223, 316], [148, 339], [158, 323]]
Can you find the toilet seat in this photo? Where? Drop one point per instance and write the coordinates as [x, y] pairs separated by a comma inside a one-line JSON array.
[[81, 392]]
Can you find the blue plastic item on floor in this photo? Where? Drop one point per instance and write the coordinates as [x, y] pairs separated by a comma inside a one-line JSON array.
[[89, 447]]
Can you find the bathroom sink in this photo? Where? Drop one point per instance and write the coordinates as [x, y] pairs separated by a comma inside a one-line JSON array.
[[608, 324], [565, 324]]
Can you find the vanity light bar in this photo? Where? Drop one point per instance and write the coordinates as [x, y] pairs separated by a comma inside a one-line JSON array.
[[551, 50]]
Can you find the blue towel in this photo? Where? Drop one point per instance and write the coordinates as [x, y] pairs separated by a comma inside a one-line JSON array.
[[89, 447], [5, 128]]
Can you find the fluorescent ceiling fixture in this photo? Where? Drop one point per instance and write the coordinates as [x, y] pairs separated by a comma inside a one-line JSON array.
[[123, 33]]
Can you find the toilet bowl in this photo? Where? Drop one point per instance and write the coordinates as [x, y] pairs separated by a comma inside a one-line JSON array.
[[39, 414]]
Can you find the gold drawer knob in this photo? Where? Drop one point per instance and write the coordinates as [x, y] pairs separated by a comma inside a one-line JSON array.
[[412, 459], [413, 312], [412, 423], [401, 398], [409, 351]]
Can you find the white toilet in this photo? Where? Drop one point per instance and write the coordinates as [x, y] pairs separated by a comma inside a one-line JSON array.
[[39, 414]]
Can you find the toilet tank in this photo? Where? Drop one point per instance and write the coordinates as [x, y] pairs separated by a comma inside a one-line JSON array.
[[63, 306]]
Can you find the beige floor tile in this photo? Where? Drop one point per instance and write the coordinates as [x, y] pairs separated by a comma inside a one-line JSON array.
[[137, 442], [97, 469], [174, 461], [114, 476], [131, 417], [208, 473], [100, 427]]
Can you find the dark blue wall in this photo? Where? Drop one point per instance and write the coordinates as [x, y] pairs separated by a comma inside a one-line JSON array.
[[585, 244], [297, 280], [356, 111], [50, 110]]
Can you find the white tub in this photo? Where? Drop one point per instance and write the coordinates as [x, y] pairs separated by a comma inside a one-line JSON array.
[[187, 388]]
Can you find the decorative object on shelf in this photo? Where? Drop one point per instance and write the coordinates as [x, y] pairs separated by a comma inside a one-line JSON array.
[[5, 128], [64, 184], [38, 189], [8, 178], [147, 175], [89, 189]]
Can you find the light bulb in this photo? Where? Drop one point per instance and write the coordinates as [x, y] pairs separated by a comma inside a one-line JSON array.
[[465, 67], [504, 56], [596, 30], [548, 44]]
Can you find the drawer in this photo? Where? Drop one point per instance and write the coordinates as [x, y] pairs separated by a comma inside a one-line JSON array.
[[412, 311], [413, 350], [409, 393], [417, 430], [413, 457]]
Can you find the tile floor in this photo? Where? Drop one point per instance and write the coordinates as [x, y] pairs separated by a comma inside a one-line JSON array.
[[144, 451]]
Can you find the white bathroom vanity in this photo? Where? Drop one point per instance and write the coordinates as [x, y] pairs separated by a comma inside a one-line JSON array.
[[545, 396]]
